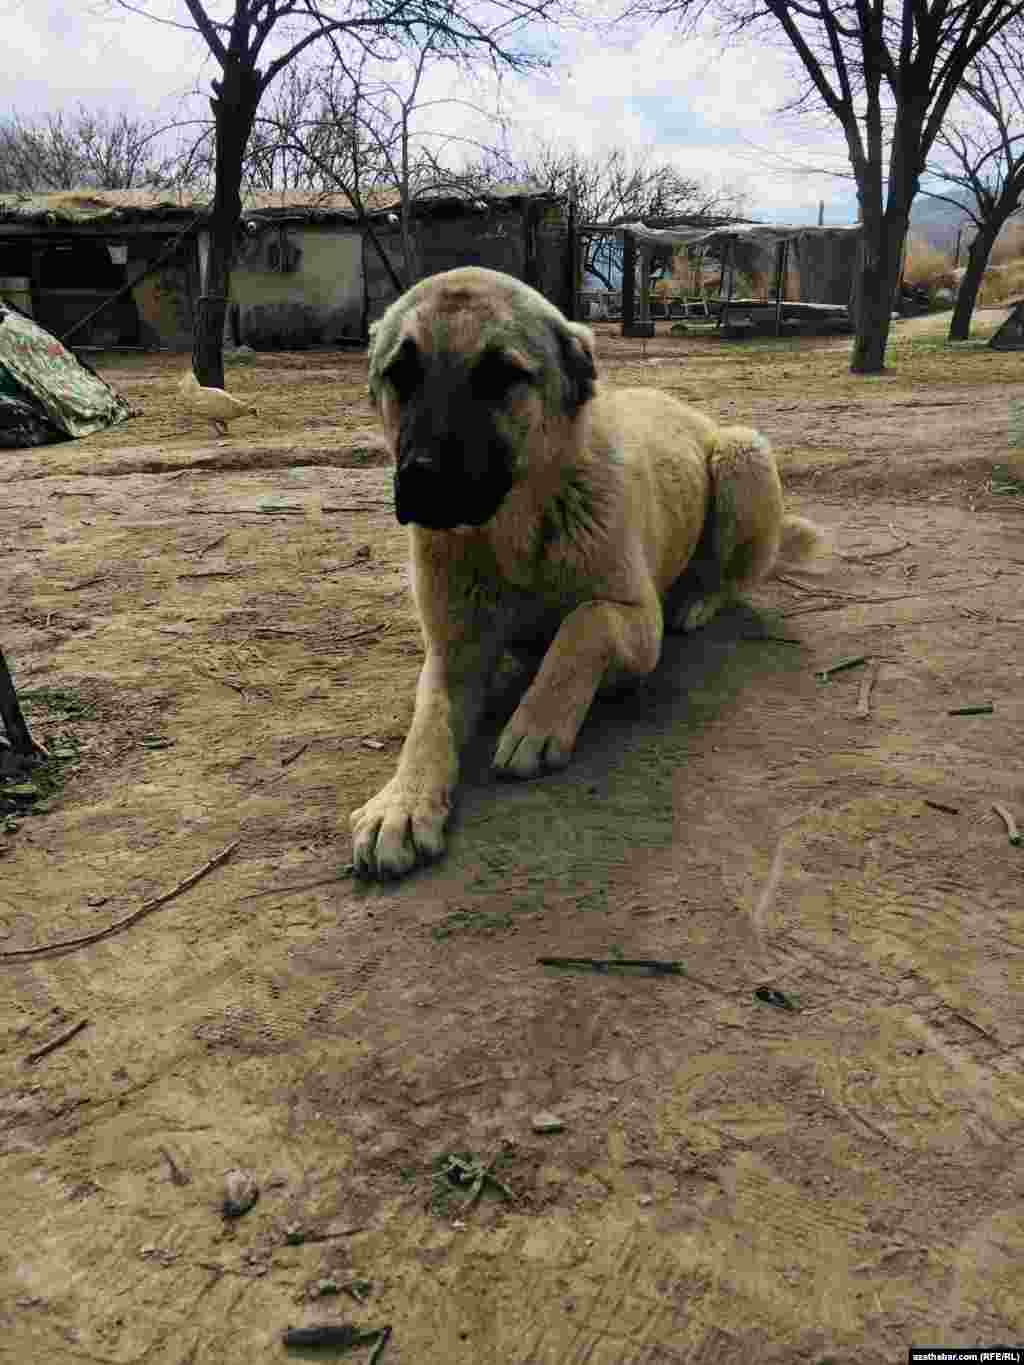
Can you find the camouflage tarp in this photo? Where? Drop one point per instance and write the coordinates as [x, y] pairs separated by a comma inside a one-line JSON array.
[[46, 393]]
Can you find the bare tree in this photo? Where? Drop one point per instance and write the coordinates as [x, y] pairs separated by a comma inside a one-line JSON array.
[[618, 185], [83, 148], [887, 71], [352, 128], [987, 166], [240, 34]]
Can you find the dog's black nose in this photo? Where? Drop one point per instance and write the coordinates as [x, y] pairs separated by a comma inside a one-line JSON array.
[[421, 494]]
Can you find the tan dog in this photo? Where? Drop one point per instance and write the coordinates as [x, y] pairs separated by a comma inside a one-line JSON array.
[[544, 512]]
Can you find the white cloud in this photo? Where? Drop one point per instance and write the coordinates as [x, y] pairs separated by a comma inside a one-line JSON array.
[[712, 111]]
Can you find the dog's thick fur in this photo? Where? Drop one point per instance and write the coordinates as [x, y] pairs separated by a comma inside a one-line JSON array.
[[545, 512]]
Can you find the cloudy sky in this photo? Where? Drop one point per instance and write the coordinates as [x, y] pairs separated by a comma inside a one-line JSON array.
[[712, 112]]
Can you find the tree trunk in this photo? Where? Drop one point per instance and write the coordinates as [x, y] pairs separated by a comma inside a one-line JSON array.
[[234, 105], [967, 294], [875, 290]]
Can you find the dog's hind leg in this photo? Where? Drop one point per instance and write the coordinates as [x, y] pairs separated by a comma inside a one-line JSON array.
[[703, 588]]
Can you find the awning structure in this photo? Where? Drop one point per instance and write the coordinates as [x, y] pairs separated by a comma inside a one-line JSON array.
[[639, 239], [763, 235]]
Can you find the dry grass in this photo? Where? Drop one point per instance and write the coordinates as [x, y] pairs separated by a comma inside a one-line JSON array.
[[927, 266], [1009, 245], [1002, 283]]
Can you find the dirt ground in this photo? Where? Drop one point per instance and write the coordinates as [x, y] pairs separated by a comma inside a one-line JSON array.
[[222, 633]]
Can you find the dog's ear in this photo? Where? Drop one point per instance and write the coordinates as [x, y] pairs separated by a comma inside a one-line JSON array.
[[576, 345], [373, 356]]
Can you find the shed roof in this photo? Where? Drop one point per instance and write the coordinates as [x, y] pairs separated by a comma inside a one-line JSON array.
[[94, 207]]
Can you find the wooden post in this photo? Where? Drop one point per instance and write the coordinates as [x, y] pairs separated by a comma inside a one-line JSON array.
[[628, 282], [728, 263], [782, 262], [645, 284]]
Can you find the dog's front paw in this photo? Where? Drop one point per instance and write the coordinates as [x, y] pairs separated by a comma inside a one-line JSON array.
[[397, 829], [527, 749]]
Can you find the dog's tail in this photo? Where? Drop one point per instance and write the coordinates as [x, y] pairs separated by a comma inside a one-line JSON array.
[[801, 540], [743, 466]]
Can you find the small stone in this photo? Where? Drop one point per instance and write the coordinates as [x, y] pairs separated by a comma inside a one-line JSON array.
[[645, 1199], [546, 1122], [95, 900], [240, 1193]]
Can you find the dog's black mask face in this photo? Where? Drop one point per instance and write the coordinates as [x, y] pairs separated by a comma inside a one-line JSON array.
[[455, 466]]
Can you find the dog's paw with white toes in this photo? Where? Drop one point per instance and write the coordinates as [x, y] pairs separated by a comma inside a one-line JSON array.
[[398, 829]]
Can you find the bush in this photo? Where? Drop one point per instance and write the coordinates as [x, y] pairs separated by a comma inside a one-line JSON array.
[[1009, 245], [927, 267]]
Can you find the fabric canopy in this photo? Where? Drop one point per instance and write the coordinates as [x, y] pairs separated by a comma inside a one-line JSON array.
[[759, 234]]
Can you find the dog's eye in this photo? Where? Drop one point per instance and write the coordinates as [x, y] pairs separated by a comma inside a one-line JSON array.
[[405, 372], [496, 372]]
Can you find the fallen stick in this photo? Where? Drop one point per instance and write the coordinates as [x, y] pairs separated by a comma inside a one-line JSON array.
[[601, 964], [57, 1042], [874, 554], [65, 945], [823, 674], [1012, 832], [347, 507], [864, 696], [985, 709], [939, 805]]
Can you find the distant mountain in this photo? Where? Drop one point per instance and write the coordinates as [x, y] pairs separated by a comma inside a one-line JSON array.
[[938, 221]]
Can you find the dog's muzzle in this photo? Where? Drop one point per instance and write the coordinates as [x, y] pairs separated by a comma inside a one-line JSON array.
[[432, 497]]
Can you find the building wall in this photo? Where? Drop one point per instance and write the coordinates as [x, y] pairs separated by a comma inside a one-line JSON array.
[[318, 302], [552, 273], [164, 301], [494, 239]]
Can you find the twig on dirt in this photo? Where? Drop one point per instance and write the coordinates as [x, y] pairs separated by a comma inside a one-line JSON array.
[[984, 709], [219, 540], [811, 590], [653, 966], [84, 583], [244, 511], [977, 1028], [775, 639], [1012, 832], [290, 758], [940, 805], [65, 945], [874, 554], [823, 674], [186, 469], [843, 600], [296, 1235], [350, 507], [383, 1336], [342, 874], [771, 996], [38, 1053], [864, 696], [211, 573], [178, 1176], [358, 634]]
